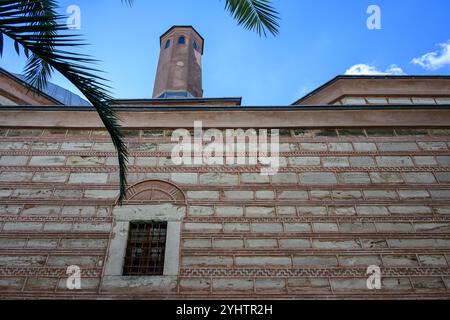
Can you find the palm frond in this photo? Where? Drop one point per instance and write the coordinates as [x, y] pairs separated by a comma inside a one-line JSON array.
[[255, 15], [35, 27]]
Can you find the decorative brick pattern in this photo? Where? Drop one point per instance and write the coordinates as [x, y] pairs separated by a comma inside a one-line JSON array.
[[344, 199]]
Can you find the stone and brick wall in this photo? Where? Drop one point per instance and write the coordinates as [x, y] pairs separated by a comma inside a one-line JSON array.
[[344, 199]]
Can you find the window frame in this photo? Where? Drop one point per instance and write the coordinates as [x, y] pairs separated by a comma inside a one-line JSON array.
[[113, 278], [152, 240]]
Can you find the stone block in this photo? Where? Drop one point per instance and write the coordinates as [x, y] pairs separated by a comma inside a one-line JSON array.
[[325, 227], [398, 146], [29, 210], [79, 146], [22, 226], [202, 261], [312, 210], [236, 227], [55, 177], [84, 243], [215, 178], [270, 285], [197, 243], [365, 147], [85, 161], [198, 211], [239, 195], [419, 177], [81, 178], [297, 227], [443, 160], [82, 261], [285, 178], [203, 195], [380, 194], [428, 283], [254, 178], [335, 162], [394, 227], [232, 285], [394, 161], [386, 177], [432, 227], [337, 244], [362, 162], [101, 194], [47, 161], [308, 285], [372, 210], [15, 176], [265, 195], [295, 243], [433, 260], [425, 161], [259, 211], [286, 211], [267, 227], [340, 147], [230, 211], [433, 146], [353, 284], [347, 194], [410, 210], [204, 227], [13, 160], [195, 284], [304, 161], [275, 261], [318, 261], [341, 210], [318, 178], [313, 146], [262, 243], [293, 195], [228, 243], [22, 261], [184, 178], [443, 177], [354, 178], [400, 260], [357, 227], [413, 194], [360, 261]]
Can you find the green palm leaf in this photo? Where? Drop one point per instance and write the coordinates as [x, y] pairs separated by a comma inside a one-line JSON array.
[[34, 26], [255, 15]]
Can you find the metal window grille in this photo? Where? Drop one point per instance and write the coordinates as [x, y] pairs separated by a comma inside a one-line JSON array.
[[146, 248]]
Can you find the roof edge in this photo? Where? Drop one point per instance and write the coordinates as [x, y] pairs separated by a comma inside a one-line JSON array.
[[375, 77], [30, 87]]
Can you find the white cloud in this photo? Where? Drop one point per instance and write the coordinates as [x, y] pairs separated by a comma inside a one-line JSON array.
[[364, 69], [435, 60]]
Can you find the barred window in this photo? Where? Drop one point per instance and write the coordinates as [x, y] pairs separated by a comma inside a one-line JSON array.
[[145, 249]]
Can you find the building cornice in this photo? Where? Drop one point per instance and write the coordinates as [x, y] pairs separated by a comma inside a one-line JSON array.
[[231, 117]]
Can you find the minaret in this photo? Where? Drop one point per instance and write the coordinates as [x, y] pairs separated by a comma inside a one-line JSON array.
[[179, 73]]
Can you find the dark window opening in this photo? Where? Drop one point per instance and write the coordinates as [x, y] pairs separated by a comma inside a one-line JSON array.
[[146, 248], [167, 44], [181, 40], [195, 46]]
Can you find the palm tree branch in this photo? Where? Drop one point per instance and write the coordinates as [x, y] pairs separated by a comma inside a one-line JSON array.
[[46, 57], [255, 15]]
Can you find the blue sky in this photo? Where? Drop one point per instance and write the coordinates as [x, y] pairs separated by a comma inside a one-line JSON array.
[[318, 40]]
